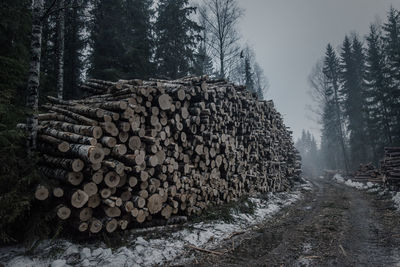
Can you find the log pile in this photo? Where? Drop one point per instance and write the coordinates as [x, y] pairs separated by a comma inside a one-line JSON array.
[[297, 172], [134, 151], [391, 165], [368, 173]]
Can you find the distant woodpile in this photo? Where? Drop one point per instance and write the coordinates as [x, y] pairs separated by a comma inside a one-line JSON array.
[[136, 151], [368, 173], [390, 165], [388, 173]]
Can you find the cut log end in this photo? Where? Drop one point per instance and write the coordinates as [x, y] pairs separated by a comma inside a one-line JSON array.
[[77, 165], [165, 102], [95, 226], [79, 199], [63, 212], [96, 155], [154, 203], [111, 225], [41, 193]]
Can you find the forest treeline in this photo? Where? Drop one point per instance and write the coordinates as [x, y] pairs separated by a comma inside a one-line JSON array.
[[48, 47], [357, 89], [124, 39]]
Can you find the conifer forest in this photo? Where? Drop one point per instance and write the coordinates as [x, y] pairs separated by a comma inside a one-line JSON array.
[[199, 133]]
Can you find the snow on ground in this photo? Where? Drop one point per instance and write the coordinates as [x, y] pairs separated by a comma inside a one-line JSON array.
[[370, 187], [396, 200], [360, 186], [142, 250]]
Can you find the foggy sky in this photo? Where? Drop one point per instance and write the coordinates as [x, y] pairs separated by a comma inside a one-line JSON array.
[[290, 36]]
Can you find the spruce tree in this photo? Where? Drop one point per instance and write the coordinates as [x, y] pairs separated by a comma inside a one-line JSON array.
[[377, 85], [352, 68], [107, 40], [333, 118], [248, 72], [203, 64], [137, 39], [391, 39], [15, 21], [177, 35], [75, 44], [307, 147]]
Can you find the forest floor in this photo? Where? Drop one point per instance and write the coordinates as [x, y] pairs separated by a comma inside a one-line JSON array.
[[333, 225], [319, 223]]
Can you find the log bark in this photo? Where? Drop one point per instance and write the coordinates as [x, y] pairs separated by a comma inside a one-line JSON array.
[[34, 75]]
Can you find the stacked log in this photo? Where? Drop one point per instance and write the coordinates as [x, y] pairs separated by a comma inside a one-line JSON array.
[[368, 173], [297, 165], [134, 150], [391, 165]]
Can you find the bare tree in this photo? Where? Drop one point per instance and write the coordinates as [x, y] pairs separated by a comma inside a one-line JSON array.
[[221, 18], [317, 82], [60, 49], [34, 75]]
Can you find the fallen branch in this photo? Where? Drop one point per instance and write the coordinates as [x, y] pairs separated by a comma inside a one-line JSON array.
[[234, 234], [205, 250], [344, 252]]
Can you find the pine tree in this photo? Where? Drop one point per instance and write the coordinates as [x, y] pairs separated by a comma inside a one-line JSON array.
[[177, 36], [331, 153], [333, 120], [14, 55], [260, 81], [352, 68], [307, 147], [137, 39], [75, 45], [203, 64], [391, 39], [378, 90], [121, 38], [15, 24], [107, 41], [248, 73]]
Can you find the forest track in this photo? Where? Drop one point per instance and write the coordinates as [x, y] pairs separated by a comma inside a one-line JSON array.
[[334, 225]]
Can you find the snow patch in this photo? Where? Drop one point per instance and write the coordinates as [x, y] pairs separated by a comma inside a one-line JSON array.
[[360, 186], [396, 200], [156, 249], [370, 187], [338, 177]]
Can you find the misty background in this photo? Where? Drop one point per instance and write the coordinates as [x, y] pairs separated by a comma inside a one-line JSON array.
[[290, 36]]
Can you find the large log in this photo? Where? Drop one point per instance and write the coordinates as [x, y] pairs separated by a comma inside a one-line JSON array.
[[90, 154]]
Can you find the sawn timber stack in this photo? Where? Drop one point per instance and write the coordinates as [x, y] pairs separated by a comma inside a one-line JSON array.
[[136, 151]]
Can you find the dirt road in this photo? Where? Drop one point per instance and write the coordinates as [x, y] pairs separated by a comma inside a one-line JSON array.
[[333, 225]]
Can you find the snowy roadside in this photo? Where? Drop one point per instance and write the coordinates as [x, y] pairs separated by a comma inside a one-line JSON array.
[[163, 246], [369, 187]]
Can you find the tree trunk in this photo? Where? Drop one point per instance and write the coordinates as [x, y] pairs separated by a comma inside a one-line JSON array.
[[34, 75], [60, 49]]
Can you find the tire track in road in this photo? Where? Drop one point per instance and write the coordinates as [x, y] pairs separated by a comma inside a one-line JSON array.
[[333, 225]]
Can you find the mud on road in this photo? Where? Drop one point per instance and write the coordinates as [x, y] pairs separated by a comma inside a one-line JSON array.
[[333, 225]]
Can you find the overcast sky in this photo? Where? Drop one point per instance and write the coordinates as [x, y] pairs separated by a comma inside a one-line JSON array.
[[290, 36]]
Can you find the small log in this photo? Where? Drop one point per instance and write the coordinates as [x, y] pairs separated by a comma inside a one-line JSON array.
[[41, 192]]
